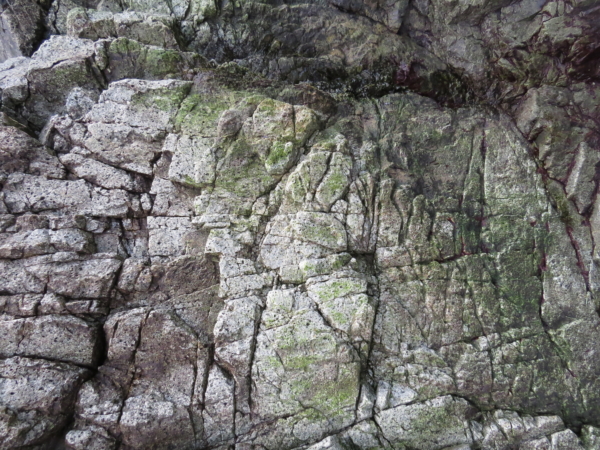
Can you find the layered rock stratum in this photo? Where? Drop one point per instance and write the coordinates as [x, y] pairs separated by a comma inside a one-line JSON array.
[[328, 224]]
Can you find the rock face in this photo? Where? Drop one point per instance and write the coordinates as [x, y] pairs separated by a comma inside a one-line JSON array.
[[306, 225]]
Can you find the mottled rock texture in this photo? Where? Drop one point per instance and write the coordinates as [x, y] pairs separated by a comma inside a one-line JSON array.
[[327, 224]]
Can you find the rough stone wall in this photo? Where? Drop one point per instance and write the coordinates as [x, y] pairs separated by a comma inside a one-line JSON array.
[[259, 225]]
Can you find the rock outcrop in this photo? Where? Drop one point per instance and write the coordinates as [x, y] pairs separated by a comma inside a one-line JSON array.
[[338, 224]]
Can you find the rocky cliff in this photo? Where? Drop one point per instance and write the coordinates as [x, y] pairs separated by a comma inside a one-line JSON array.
[[328, 224]]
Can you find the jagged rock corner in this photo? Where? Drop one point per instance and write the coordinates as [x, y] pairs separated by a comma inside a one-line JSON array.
[[317, 225]]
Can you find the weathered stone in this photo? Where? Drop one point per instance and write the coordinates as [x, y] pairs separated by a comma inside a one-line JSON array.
[[57, 338], [321, 229], [345, 304], [143, 28], [37, 398], [169, 235], [323, 224], [288, 382], [85, 278], [101, 174], [218, 414], [194, 161], [439, 423], [21, 153], [22, 25]]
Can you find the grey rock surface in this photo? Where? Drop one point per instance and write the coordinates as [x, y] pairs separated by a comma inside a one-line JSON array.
[[316, 225]]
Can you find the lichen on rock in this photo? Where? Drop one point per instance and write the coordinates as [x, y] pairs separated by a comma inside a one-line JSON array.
[[308, 225]]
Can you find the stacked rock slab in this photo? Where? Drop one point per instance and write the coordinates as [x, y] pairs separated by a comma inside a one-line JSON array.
[[328, 225]]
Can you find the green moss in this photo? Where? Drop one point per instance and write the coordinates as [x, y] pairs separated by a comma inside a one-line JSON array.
[[322, 230], [328, 397], [191, 182], [280, 154], [288, 339], [124, 46], [501, 233], [169, 101], [273, 362], [328, 145], [200, 115], [334, 184], [467, 235], [310, 268], [319, 234], [163, 63], [432, 420], [163, 99], [334, 396], [251, 100], [302, 362], [267, 107], [339, 261], [563, 206], [338, 289], [342, 394], [248, 180], [310, 415], [232, 68], [339, 318]]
